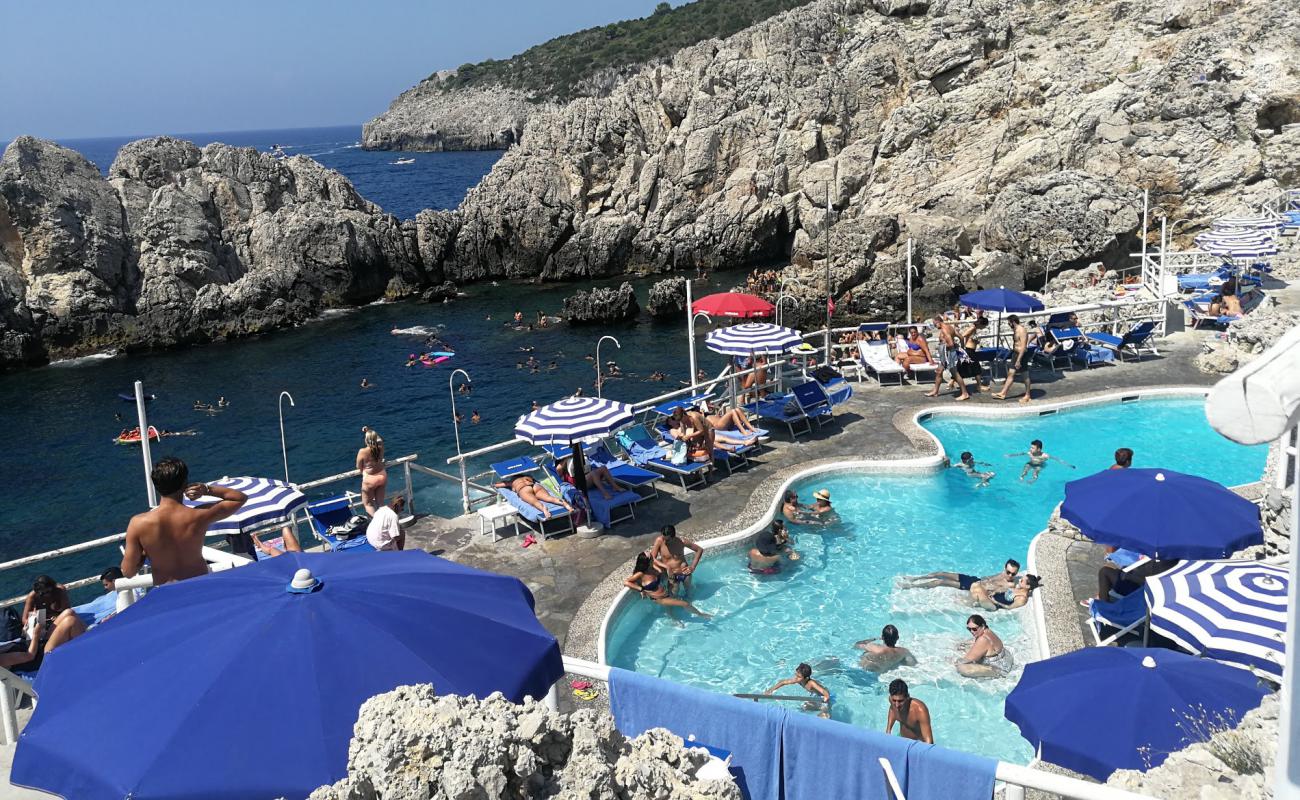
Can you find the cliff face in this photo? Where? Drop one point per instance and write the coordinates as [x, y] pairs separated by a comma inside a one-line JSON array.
[[181, 245], [1002, 135], [427, 118]]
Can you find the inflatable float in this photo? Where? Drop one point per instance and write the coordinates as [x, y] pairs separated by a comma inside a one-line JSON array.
[[133, 436], [428, 359], [130, 398]]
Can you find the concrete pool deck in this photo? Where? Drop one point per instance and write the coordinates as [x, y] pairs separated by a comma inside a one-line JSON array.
[[574, 580]]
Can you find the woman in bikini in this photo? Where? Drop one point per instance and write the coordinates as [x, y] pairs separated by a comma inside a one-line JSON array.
[[534, 494], [49, 596], [914, 350], [648, 580], [987, 657], [597, 476], [728, 421], [374, 473]]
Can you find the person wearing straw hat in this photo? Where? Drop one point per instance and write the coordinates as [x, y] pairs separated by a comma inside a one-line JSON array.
[[821, 507]]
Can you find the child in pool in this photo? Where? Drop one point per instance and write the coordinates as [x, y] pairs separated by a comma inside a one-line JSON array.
[[1037, 460], [969, 465]]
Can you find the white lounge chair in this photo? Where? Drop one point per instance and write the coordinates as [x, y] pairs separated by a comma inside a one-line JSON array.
[[875, 357]]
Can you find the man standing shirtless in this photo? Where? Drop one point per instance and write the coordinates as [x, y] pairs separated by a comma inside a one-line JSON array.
[[949, 355], [1019, 360], [912, 715], [670, 551], [171, 535]]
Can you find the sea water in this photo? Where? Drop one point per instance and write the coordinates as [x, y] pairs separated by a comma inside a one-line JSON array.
[[846, 586]]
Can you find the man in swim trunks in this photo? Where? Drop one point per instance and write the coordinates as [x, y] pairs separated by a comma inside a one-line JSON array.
[[1019, 360], [912, 715], [171, 535], [1037, 460], [948, 357], [1000, 582], [969, 465], [669, 550], [885, 655], [803, 677], [534, 494]]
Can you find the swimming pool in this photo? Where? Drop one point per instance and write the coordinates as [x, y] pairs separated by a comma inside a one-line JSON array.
[[844, 589]]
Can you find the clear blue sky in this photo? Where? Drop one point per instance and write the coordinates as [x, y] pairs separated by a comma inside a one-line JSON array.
[[87, 68]]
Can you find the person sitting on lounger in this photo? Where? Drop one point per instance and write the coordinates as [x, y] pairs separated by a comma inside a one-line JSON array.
[[596, 475], [288, 543], [692, 428], [957, 580], [669, 550], [884, 654], [1037, 460], [1014, 597], [534, 494], [913, 350], [987, 657], [803, 677], [650, 582]]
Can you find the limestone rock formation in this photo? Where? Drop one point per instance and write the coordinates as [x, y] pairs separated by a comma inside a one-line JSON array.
[[182, 244], [667, 298], [409, 744], [602, 305], [1006, 137], [1245, 339], [426, 117]]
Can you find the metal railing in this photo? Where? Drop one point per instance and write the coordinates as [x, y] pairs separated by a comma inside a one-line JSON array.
[[1017, 778]]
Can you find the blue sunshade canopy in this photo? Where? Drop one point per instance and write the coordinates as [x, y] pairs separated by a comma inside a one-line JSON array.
[[1101, 709], [262, 685], [1003, 300], [1162, 513]]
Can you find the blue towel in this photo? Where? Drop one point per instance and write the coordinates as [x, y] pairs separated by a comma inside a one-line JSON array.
[[751, 731], [938, 773], [97, 610], [824, 758], [527, 511]]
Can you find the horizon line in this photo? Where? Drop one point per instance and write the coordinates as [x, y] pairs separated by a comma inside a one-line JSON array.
[[8, 140]]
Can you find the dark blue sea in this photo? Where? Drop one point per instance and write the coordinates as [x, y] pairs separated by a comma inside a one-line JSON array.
[[434, 180], [65, 481]]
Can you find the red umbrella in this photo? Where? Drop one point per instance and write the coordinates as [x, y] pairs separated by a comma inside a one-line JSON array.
[[732, 304]]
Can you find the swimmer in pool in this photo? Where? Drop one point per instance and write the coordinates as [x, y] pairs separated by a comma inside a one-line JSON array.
[[1014, 597], [1000, 582], [1037, 460], [884, 654], [912, 716], [803, 677], [969, 465]]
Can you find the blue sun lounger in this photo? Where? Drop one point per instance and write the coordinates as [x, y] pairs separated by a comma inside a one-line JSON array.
[[618, 508], [625, 474], [731, 460], [327, 514], [1137, 339], [814, 402], [639, 446], [1124, 616], [777, 408], [529, 514]]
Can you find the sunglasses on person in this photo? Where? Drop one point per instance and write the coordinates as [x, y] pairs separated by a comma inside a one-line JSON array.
[[973, 628]]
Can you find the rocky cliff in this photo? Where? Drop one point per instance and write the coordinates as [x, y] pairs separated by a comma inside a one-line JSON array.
[[1003, 136], [182, 245], [428, 118]]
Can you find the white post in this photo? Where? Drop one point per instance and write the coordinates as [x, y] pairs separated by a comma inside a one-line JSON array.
[[600, 366], [464, 481], [284, 452], [552, 699], [690, 330], [143, 421], [1146, 198], [1160, 279], [1286, 784], [828, 276], [909, 280]]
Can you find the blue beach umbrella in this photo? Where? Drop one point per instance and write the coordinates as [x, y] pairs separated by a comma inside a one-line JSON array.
[[269, 502], [235, 671], [1002, 300], [1161, 513], [1101, 709], [1233, 611], [749, 338]]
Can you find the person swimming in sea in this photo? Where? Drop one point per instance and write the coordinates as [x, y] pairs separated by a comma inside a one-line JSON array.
[[1037, 460], [970, 466], [803, 677]]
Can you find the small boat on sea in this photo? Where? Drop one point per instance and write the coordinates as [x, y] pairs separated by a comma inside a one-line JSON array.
[[401, 161], [133, 436], [130, 398]]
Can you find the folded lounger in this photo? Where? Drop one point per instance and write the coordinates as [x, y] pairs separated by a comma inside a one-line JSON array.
[[608, 513], [528, 514], [1138, 338], [330, 513], [783, 409], [876, 360], [644, 451], [814, 402]]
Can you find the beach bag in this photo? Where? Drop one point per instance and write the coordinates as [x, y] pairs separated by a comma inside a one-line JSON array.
[[792, 408], [677, 453], [825, 374], [354, 527], [11, 625], [968, 369]]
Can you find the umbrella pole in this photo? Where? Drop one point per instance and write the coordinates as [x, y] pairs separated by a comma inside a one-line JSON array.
[[690, 332], [577, 468], [143, 420]]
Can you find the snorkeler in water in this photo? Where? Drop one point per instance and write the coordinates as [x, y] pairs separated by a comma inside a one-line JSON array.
[[1037, 460]]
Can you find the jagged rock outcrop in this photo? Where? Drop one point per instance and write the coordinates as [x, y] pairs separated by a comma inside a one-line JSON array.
[[1008, 137], [182, 244], [667, 298], [1247, 338], [409, 744], [602, 304], [429, 118]]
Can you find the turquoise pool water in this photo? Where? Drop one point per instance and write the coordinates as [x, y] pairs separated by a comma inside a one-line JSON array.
[[844, 588]]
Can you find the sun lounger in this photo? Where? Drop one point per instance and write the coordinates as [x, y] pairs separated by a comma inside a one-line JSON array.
[[528, 513], [1138, 338], [13, 687], [608, 513], [328, 514], [814, 402], [1123, 616], [780, 408], [731, 460], [1072, 348], [838, 390], [1200, 316], [628, 475], [644, 451], [876, 360]]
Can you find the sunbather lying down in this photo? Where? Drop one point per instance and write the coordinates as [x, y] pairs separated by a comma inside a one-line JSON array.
[[534, 494]]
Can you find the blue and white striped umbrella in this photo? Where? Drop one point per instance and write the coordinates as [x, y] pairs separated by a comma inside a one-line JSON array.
[[269, 502], [571, 419], [1246, 223], [1233, 611], [1238, 245], [752, 337]]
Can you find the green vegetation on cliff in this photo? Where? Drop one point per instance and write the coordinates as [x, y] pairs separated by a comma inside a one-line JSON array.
[[554, 70]]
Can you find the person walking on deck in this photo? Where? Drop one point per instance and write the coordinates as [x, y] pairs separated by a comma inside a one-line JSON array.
[[949, 357], [374, 472], [1019, 360]]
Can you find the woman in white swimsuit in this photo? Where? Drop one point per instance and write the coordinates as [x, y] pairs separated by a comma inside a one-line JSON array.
[[374, 474]]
